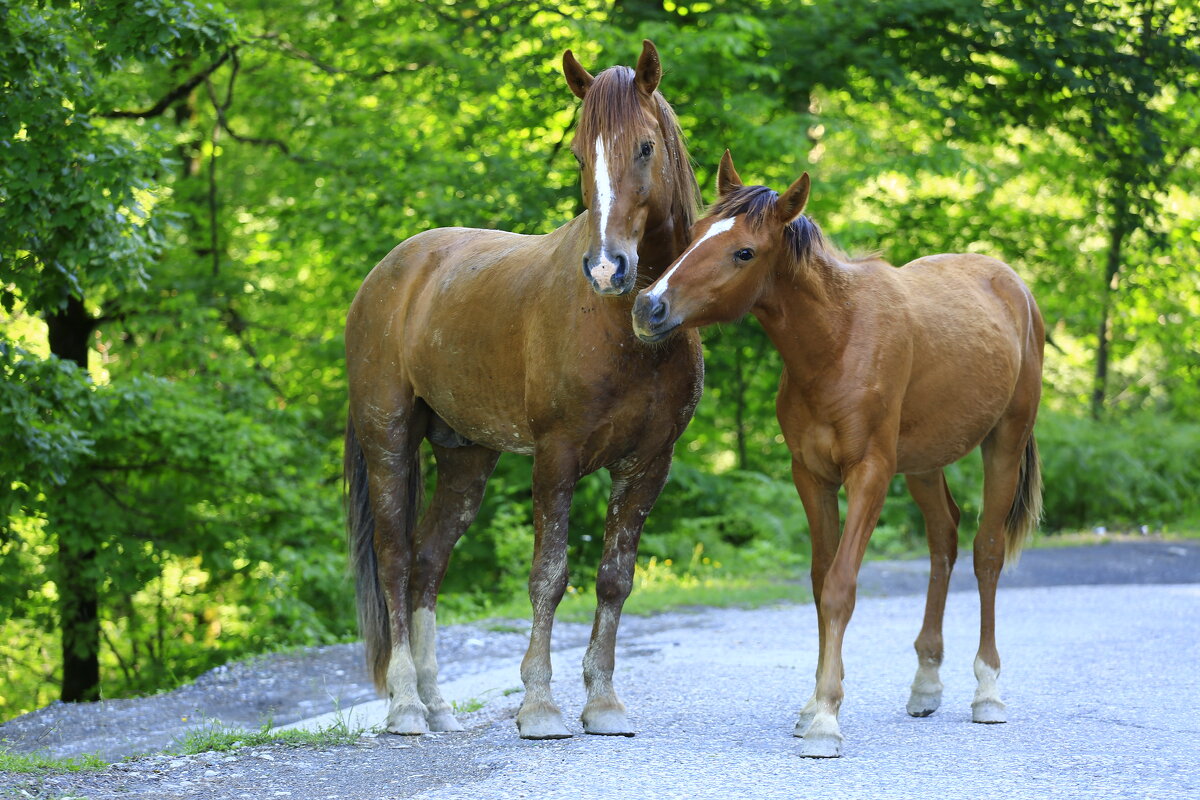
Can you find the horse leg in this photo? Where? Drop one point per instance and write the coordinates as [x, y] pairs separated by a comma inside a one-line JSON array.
[[1003, 450], [462, 474], [634, 493], [390, 446], [821, 509], [941, 514], [866, 488], [554, 477]]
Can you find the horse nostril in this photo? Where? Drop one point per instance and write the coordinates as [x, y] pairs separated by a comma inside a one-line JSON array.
[[621, 262], [587, 270], [658, 314]]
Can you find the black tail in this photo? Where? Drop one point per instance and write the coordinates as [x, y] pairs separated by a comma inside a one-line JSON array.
[[373, 622], [1026, 508]]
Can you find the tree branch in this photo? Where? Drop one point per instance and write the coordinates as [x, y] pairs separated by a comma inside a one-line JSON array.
[[172, 96], [330, 69], [237, 325], [224, 124]]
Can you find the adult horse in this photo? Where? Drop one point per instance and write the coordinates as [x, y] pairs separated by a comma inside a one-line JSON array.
[[485, 341], [886, 371]]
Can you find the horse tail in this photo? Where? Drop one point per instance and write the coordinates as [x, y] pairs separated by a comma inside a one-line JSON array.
[[1026, 508], [373, 621]]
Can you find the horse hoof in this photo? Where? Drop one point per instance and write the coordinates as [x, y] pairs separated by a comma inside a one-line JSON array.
[[922, 704], [608, 722], [444, 722], [407, 722], [544, 723], [989, 712], [823, 738], [821, 747]]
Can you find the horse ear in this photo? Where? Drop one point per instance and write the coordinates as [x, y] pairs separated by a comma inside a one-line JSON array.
[[578, 78], [727, 177], [648, 72], [792, 202]]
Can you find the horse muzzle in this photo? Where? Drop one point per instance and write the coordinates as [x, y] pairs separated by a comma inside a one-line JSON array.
[[652, 318], [610, 273]]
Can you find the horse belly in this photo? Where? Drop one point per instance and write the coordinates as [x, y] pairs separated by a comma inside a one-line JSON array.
[[479, 395], [945, 423], [466, 362]]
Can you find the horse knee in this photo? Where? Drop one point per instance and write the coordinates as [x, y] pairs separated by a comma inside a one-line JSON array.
[[612, 586], [548, 582], [837, 598]]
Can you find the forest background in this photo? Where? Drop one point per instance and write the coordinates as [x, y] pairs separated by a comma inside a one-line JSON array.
[[191, 193]]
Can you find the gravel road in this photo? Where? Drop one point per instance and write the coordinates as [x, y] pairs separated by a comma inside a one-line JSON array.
[[1101, 675]]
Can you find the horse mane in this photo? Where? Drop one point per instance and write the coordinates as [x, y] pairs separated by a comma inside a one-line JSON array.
[[806, 242], [610, 104]]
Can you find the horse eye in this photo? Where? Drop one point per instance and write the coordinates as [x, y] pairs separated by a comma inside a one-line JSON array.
[[647, 149], [745, 254]]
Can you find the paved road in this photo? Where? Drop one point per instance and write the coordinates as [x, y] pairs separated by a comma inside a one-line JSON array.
[[1102, 683]]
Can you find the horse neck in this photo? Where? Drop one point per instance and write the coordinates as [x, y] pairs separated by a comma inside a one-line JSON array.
[[661, 244], [807, 313]]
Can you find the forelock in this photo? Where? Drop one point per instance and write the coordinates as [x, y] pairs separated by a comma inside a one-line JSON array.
[[757, 203]]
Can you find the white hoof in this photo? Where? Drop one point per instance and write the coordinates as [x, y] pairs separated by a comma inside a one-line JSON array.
[[922, 704], [821, 747], [989, 712], [823, 738], [607, 722], [444, 721], [407, 721], [541, 722]]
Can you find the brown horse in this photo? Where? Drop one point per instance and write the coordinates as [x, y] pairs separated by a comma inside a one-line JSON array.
[[886, 371], [484, 341]]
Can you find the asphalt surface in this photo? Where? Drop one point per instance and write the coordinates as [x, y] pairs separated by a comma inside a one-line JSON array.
[[1101, 675]]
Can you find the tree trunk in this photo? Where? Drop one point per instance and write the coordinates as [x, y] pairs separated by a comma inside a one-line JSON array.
[[78, 592], [1111, 272]]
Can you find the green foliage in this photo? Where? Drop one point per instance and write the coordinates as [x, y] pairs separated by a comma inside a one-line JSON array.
[[39, 762], [204, 188], [218, 738], [1126, 473]]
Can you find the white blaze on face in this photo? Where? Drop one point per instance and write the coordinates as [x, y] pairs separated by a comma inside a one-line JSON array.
[[604, 189], [718, 227]]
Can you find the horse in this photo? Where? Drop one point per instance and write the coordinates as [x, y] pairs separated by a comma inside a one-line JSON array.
[[483, 341], [885, 371]]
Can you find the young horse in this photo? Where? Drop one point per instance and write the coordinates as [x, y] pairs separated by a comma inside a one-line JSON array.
[[886, 371], [485, 341]]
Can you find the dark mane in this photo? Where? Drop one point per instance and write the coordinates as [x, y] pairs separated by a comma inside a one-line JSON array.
[[804, 238], [609, 107]]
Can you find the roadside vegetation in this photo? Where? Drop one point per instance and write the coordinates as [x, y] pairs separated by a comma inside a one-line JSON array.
[[191, 193]]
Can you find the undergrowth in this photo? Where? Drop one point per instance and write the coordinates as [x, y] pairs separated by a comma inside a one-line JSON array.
[[40, 762], [220, 738]]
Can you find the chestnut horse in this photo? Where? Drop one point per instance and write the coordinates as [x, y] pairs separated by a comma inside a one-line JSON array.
[[484, 341], [886, 371]]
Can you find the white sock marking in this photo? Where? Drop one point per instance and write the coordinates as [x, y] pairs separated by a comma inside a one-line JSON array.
[[720, 226]]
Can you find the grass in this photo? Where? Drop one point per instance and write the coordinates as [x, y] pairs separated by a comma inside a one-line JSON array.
[[1092, 538], [467, 706], [659, 586], [40, 762], [219, 738]]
